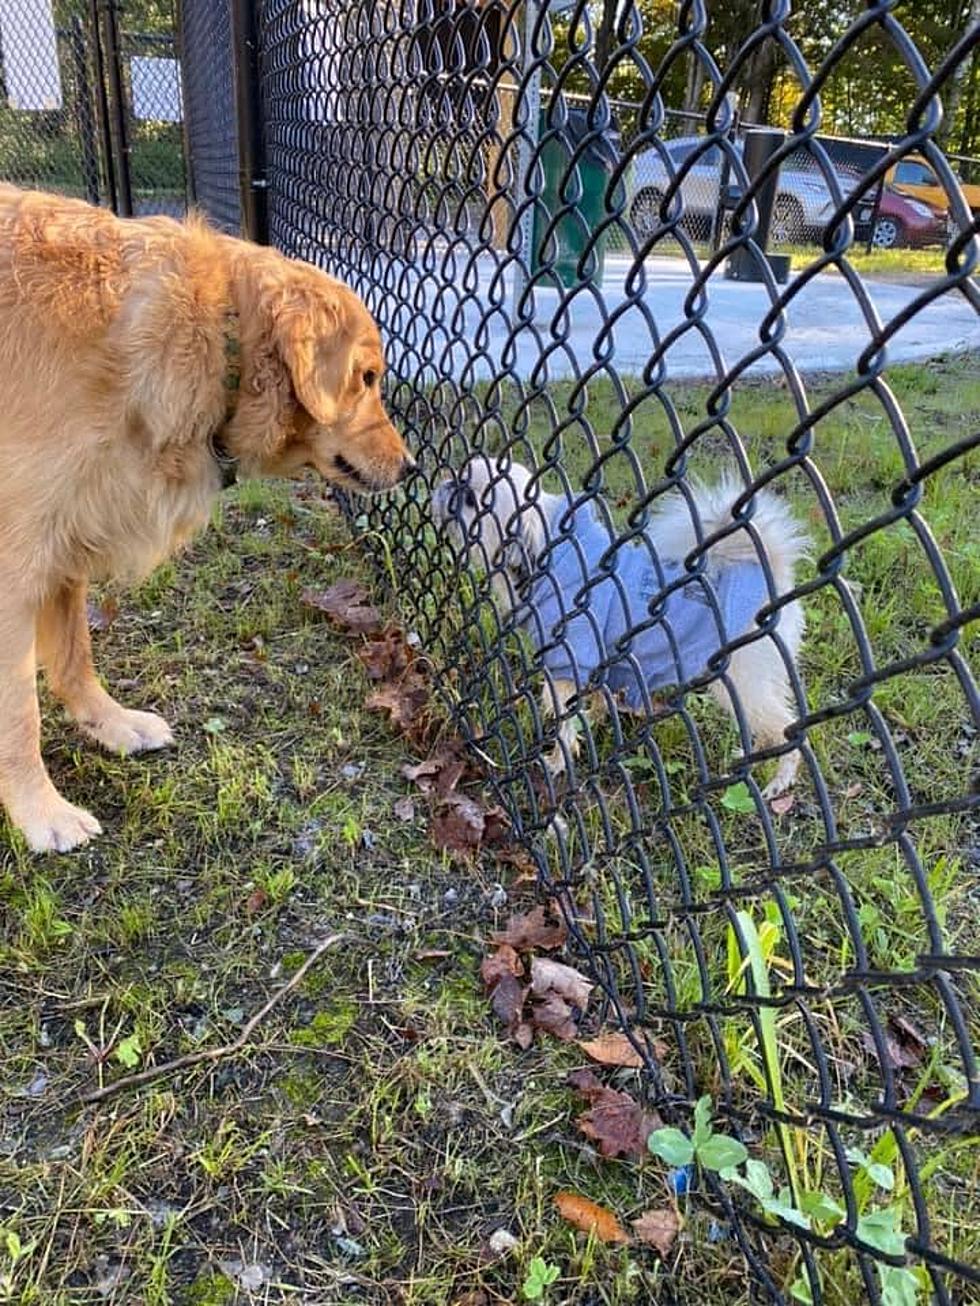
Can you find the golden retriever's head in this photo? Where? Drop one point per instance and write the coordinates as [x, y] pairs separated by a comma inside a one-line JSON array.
[[316, 356]]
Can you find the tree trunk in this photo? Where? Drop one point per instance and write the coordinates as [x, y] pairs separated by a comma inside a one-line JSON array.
[[757, 87], [605, 34], [695, 82], [962, 75]]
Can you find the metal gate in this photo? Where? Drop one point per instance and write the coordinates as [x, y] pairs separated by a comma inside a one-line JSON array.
[[91, 106]]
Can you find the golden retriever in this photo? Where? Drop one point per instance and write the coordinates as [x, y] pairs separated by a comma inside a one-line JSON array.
[[143, 362]]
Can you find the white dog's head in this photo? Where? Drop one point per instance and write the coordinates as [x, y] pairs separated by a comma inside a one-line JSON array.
[[498, 517]]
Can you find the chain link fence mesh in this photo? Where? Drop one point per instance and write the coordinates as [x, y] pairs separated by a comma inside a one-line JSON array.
[[47, 115], [442, 160], [209, 102]]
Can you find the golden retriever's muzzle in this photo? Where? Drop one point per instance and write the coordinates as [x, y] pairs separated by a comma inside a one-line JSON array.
[[372, 483]]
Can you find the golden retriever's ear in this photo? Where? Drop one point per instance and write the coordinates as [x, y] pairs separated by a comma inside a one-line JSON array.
[[310, 336]]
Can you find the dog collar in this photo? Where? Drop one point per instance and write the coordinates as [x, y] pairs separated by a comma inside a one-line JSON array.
[[227, 463]]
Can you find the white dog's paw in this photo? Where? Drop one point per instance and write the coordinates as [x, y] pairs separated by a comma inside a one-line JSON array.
[[127, 731], [53, 825], [785, 777]]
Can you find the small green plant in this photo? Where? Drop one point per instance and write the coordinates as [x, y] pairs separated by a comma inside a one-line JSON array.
[[710, 1149], [129, 1051], [540, 1274], [13, 1252], [737, 798]]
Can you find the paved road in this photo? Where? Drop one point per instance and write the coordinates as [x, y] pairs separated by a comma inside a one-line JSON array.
[[827, 329]]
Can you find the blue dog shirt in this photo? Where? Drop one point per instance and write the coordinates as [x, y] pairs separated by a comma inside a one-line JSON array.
[[584, 616]]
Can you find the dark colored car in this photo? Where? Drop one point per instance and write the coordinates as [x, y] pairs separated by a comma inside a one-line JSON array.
[[906, 223]]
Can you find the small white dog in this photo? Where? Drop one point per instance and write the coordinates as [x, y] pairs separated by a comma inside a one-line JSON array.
[[627, 618]]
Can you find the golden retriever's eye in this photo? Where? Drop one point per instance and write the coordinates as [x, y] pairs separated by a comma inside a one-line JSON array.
[[370, 379]]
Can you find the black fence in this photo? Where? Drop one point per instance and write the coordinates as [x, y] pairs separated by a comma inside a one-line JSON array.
[[91, 107]]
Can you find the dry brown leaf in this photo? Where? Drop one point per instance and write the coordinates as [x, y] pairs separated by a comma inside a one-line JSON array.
[[897, 1057], [387, 656], [615, 1121], [612, 1050], [658, 1228], [526, 933], [590, 1217], [504, 961], [404, 809], [524, 1036], [783, 805], [507, 1000], [403, 700], [549, 976], [458, 825], [555, 1016], [255, 901], [346, 604], [439, 774]]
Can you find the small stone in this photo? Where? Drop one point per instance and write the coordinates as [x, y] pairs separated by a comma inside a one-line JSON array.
[[451, 897], [498, 898], [37, 1085], [502, 1241], [351, 770]]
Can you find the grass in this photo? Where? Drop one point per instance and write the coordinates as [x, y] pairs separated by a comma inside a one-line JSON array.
[[379, 1128]]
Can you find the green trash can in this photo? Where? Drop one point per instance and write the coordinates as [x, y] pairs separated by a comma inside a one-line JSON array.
[[562, 249]]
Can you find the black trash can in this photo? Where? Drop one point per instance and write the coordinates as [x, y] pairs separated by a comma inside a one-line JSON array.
[[562, 249]]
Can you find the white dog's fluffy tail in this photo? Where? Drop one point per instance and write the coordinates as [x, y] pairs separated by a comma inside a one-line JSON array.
[[778, 533]]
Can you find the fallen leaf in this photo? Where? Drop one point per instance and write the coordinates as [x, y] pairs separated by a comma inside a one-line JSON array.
[[590, 1218], [783, 805], [102, 615], [255, 901], [388, 655], [524, 1036], [475, 1298], [458, 825], [504, 961], [549, 976], [909, 1033], [616, 1121], [897, 1057], [526, 933], [439, 774], [555, 1016], [522, 862], [658, 1228], [404, 809], [403, 700], [496, 826], [612, 1050], [507, 1000], [346, 604]]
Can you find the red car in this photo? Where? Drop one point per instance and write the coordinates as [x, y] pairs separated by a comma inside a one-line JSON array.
[[907, 223]]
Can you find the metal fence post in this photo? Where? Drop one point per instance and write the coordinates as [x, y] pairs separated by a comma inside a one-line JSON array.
[[83, 111], [118, 129], [760, 146], [251, 144]]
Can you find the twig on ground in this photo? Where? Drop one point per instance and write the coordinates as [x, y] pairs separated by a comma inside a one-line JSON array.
[[213, 1054]]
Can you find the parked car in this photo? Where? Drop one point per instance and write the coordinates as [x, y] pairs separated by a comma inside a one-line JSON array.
[[904, 222], [803, 201], [804, 204], [916, 179]]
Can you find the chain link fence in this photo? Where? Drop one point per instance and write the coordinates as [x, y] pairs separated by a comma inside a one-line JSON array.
[[89, 108], [595, 538], [209, 97], [48, 133]]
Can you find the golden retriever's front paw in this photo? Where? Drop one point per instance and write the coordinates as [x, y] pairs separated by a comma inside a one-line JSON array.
[[126, 731], [55, 825]]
